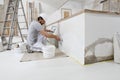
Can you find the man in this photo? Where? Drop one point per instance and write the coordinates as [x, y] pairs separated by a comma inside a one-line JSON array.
[[37, 35]]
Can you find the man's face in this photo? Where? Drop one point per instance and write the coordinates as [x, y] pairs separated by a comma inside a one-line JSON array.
[[42, 21]]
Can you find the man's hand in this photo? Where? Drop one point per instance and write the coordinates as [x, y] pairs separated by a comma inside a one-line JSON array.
[[57, 38], [44, 33], [49, 31]]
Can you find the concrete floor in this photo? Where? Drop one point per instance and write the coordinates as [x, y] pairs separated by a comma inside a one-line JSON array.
[[55, 69]]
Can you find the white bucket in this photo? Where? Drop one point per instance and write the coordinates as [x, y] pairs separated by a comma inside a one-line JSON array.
[[17, 50], [22, 47], [49, 51]]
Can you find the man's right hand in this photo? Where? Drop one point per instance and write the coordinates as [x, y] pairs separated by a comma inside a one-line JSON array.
[[44, 33], [57, 38]]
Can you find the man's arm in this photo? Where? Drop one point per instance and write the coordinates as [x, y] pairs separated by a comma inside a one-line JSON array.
[[48, 30], [48, 35]]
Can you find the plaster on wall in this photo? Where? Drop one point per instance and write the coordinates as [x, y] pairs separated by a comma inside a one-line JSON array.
[[101, 49], [116, 47]]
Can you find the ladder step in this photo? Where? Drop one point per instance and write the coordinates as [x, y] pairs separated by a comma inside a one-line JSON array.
[[11, 1], [9, 12], [21, 22], [10, 43], [6, 27], [20, 8], [23, 28], [21, 15], [8, 20], [5, 35], [11, 6]]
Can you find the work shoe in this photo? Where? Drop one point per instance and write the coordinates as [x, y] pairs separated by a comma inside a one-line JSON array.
[[28, 49]]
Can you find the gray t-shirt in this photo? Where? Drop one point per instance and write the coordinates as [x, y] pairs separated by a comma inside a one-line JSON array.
[[34, 32]]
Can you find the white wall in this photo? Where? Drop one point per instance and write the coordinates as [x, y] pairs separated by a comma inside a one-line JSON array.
[[99, 31], [73, 35], [101, 26]]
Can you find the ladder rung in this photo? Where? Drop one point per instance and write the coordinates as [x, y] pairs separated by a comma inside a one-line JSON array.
[[8, 20], [21, 15], [5, 35], [20, 8], [9, 12], [10, 43], [23, 28], [12, 0], [21, 22], [17, 42], [6, 27], [11, 6]]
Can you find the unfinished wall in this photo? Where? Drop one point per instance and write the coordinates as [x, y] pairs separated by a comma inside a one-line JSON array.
[[73, 5], [1, 17], [111, 5], [104, 5], [93, 4]]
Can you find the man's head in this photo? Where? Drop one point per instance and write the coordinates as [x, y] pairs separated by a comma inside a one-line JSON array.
[[42, 19]]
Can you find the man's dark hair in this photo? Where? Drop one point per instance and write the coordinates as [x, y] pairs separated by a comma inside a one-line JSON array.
[[40, 18]]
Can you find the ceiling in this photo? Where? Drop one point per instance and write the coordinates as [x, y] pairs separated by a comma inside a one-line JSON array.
[[58, 3]]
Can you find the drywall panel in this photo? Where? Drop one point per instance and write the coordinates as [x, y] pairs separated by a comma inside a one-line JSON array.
[[72, 33]]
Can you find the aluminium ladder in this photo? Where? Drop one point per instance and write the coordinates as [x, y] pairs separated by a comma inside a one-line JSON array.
[[11, 17]]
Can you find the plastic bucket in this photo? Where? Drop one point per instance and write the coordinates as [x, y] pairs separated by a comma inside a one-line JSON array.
[[22, 47], [49, 51], [17, 50]]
